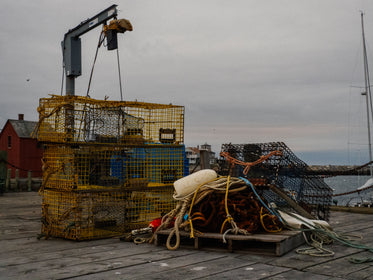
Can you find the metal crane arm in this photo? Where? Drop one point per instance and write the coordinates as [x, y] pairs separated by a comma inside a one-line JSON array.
[[71, 46], [93, 22]]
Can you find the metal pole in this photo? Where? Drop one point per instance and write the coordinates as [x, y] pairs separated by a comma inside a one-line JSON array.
[[367, 92], [70, 85], [369, 139]]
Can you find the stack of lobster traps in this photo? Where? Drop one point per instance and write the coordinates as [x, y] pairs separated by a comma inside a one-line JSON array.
[[282, 179], [108, 166]]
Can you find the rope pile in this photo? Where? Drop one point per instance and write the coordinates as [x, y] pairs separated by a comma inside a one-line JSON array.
[[318, 235], [222, 205]]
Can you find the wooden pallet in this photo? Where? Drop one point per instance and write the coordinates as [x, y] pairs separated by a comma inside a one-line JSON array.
[[276, 244]]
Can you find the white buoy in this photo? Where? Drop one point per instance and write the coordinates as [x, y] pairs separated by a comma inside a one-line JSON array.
[[190, 183]]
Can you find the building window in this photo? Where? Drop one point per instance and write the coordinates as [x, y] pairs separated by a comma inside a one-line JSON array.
[[9, 142]]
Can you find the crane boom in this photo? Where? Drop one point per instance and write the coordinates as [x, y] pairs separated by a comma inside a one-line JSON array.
[[72, 47]]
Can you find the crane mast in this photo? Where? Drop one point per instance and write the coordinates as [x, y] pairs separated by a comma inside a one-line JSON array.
[[72, 46]]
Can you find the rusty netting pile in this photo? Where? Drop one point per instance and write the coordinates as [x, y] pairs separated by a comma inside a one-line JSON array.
[[223, 205], [210, 215], [282, 169]]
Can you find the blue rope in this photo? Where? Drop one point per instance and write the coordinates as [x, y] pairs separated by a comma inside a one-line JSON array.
[[332, 235], [257, 195]]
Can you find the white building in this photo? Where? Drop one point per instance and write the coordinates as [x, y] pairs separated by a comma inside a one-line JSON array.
[[193, 154]]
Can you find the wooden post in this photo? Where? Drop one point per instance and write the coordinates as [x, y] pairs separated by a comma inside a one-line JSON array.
[[3, 163], [205, 159], [291, 202], [29, 181], [17, 180], [7, 183]]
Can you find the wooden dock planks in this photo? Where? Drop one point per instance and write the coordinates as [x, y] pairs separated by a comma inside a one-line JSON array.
[[22, 256], [276, 244]]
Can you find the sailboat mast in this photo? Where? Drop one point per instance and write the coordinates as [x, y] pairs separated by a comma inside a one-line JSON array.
[[367, 93]]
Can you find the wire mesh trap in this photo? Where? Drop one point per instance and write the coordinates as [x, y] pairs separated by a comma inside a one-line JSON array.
[[285, 171], [108, 166], [77, 119], [69, 167], [93, 214]]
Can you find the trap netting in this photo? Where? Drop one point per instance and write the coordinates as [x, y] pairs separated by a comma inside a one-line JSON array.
[[93, 214], [77, 119], [69, 167], [285, 171], [108, 166]]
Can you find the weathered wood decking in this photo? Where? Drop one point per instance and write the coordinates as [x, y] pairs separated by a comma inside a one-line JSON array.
[[22, 256], [276, 244]]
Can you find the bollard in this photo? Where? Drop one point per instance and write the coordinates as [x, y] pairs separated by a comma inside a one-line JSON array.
[[7, 183], [29, 181]]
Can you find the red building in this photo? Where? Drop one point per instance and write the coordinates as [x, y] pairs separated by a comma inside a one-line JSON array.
[[24, 153]]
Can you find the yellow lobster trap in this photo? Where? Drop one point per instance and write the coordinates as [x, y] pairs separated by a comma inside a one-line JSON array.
[[93, 214], [77, 119], [68, 167], [108, 166]]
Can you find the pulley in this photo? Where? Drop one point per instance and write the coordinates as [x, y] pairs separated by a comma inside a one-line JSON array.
[[116, 26]]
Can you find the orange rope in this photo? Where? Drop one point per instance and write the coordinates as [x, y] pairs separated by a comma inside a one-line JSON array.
[[248, 165]]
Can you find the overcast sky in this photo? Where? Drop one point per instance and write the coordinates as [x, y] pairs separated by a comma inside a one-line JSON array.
[[246, 71]]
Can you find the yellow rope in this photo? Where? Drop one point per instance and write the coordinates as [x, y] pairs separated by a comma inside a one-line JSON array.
[[180, 211], [278, 229], [229, 217], [235, 229], [192, 203]]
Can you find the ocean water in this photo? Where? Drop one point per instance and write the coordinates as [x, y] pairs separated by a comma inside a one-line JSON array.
[[342, 184]]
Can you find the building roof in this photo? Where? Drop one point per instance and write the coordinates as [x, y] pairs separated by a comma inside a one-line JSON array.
[[192, 149], [23, 128]]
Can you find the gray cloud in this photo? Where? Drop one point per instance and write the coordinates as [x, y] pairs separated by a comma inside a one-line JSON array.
[[246, 71]]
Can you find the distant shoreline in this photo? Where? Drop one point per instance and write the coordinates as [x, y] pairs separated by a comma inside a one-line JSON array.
[[360, 210], [338, 170]]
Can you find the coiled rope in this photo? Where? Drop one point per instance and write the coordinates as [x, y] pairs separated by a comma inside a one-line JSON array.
[[219, 184], [185, 205], [319, 235], [235, 229]]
